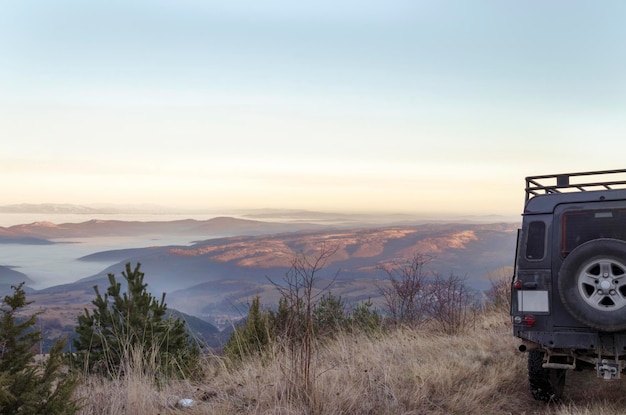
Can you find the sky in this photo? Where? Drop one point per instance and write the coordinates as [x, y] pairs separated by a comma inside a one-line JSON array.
[[416, 106]]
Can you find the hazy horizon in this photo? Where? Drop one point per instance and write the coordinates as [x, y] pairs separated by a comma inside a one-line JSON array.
[[161, 213]]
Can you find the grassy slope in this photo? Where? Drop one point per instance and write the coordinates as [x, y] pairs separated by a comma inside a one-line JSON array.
[[406, 372]]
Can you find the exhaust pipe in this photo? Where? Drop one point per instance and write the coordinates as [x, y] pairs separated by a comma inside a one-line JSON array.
[[527, 346]]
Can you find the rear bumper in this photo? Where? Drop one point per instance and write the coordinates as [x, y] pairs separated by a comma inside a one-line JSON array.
[[609, 344]]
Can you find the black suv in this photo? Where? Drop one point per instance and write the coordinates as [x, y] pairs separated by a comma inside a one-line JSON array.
[[568, 295]]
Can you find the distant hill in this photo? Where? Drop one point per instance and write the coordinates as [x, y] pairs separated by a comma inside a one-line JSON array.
[[23, 240], [9, 277], [213, 277], [59, 316], [93, 228], [201, 330], [214, 280]]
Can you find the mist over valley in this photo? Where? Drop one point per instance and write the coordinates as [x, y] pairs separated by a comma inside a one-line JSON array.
[[212, 268]]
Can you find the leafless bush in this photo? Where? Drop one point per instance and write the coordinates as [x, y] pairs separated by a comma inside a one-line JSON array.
[[416, 296], [295, 318], [405, 299], [451, 304], [499, 294]]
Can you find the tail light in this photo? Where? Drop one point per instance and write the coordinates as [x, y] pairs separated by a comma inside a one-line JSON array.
[[530, 320]]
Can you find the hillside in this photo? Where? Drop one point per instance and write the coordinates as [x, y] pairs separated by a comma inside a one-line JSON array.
[[9, 277], [59, 312], [407, 371], [210, 277], [215, 279]]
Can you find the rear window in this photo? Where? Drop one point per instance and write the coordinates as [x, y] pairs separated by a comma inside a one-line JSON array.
[[536, 242], [581, 226]]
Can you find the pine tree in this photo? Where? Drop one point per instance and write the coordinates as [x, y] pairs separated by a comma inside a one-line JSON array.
[[27, 387], [365, 318], [124, 324], [253, 337], [329, 316]]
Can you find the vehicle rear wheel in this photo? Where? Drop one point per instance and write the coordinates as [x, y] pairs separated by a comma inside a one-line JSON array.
[[592, 284], [545, 384]]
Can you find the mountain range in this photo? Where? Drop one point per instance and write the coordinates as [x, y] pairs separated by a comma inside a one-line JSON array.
[[216, 278]]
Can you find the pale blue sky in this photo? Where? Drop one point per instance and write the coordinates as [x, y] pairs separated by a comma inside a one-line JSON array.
[[402, 106]]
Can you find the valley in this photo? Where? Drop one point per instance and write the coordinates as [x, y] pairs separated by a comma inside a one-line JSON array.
[[226, 262]]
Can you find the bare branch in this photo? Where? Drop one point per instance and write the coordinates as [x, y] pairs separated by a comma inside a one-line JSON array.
[[404, 297]]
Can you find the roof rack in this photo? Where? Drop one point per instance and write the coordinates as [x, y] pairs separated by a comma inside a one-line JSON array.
[[560, 183]]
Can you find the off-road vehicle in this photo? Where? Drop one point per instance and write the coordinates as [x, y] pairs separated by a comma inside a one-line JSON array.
[[568, 294]]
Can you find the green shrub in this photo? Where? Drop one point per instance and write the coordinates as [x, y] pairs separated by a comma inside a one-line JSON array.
[[126, 323], [366, 319], [28, 387], [252, 337], [329, 316]]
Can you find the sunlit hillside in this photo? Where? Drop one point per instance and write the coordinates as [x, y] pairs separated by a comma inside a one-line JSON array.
[[214, 279]]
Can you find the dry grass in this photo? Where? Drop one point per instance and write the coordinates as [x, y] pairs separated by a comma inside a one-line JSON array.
[[405, 372]]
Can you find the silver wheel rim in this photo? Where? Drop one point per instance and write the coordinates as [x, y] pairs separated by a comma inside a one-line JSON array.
[[602, 284]]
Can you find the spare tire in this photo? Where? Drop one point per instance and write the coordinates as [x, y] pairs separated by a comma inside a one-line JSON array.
[[592, 284]]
